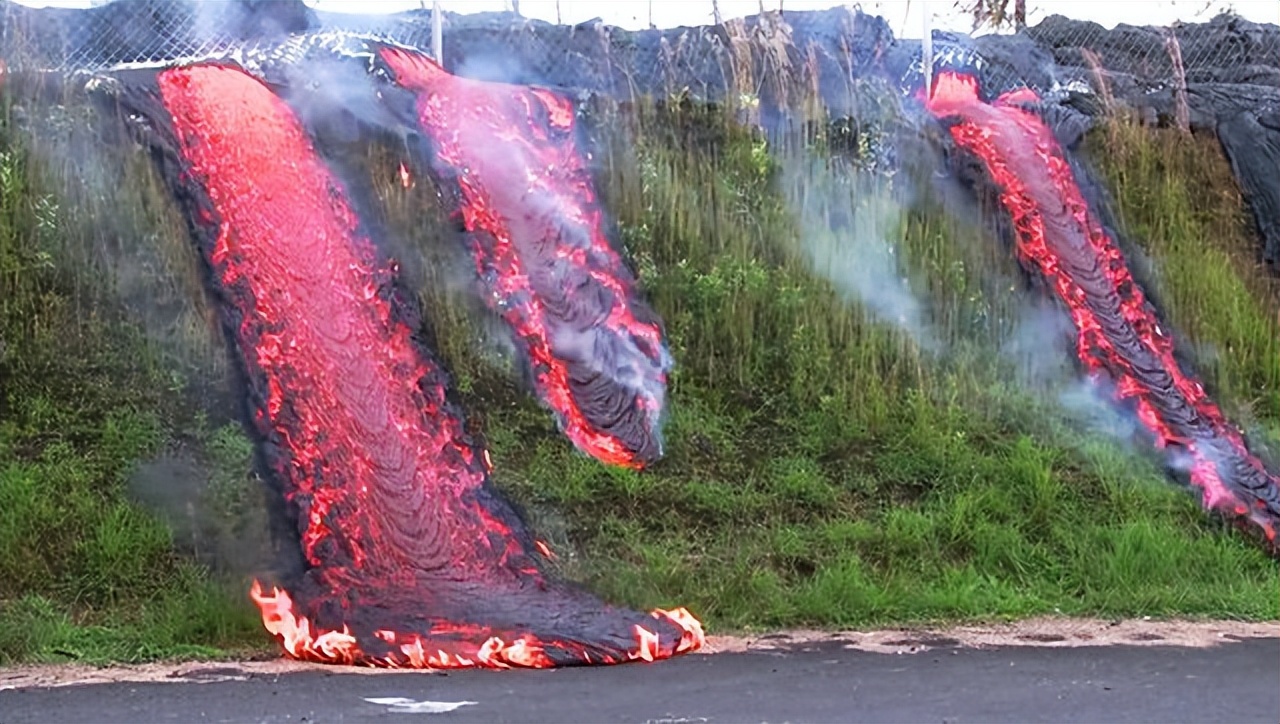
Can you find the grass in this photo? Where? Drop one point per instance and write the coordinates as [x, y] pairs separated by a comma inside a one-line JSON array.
[[823, 469], [1180, 201], [829, 462], [86, 573]]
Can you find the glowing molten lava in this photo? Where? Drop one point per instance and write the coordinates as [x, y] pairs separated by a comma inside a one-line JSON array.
[[413, 558], [538, 239], [1118, 333]]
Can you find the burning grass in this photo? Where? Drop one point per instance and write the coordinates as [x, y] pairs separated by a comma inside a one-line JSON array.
[[819, 470]]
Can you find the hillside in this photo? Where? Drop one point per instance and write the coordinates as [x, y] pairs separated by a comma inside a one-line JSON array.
[[872, 418]]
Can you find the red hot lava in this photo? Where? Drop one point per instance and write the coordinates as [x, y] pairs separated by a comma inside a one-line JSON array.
[[1118, 333], [538, 238], [413, 558]]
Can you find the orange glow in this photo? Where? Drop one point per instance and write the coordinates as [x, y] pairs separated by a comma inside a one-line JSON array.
[[545, 549], [300, 640], [648, 644], [1025, 161], [413, 559], [693, 638], [541, 168], [296, 636]]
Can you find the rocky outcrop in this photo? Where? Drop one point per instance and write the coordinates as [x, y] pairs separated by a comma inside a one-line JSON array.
[[1222, 76]]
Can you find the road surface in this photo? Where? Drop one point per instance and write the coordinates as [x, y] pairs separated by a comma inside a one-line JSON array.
[[819, 682]]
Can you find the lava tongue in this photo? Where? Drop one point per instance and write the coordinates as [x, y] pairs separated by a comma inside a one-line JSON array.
[[537, 234], [414, 559], [1119, 336]]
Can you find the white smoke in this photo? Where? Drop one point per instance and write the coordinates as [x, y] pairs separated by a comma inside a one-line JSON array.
[[616, 356], [860, 252]]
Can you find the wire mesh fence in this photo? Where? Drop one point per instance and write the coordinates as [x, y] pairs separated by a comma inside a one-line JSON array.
[[1226, 49], [1051, 54]]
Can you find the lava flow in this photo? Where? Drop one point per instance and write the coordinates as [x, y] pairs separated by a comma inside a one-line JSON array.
[[413, 558], [537, 233], [1119, 339]]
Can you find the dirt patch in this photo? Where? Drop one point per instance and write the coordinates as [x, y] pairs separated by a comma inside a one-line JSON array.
[[1053, 632], [1048, 631], [47, 675]]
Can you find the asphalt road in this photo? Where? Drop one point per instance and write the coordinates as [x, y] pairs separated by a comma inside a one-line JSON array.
[[1236, 682]]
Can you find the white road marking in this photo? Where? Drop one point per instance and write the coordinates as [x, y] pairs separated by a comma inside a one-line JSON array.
[[401, 705]]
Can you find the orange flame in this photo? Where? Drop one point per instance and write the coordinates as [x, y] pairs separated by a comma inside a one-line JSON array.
[[295, 634], [545, 549], [300, 640]]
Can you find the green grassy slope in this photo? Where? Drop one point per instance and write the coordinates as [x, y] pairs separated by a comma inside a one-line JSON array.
[[821, 468]]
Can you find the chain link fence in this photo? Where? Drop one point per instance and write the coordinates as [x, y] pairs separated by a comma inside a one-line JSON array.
[[1221, 75], [1224, 49]]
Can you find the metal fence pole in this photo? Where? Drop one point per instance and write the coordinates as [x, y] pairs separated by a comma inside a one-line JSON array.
[[1181, 111], [437, 33], [926, 48]]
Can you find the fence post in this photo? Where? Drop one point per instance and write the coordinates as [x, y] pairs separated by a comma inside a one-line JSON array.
[[926, 49], [1181, 112], [437, 33]]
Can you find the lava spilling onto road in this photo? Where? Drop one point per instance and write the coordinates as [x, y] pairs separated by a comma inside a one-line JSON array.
[[413, 558], [537, 234], [1119, 339]]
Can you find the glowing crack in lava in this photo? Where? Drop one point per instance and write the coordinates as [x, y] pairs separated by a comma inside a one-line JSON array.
[[537, 235], [1119, 339], [413, 558]]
